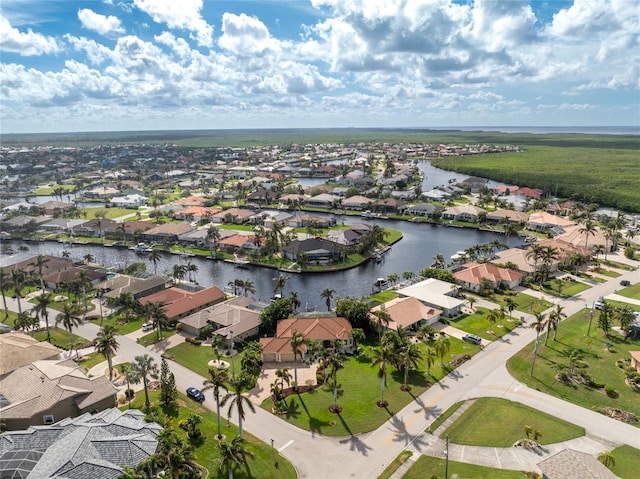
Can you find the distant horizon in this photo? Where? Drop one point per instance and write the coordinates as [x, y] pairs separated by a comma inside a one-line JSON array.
[[532, 129]]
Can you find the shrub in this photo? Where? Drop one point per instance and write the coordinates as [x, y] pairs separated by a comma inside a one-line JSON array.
[[195, 342], [179, 327], [611, 392]]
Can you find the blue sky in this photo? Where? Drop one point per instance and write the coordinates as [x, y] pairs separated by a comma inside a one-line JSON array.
[[205, 64]]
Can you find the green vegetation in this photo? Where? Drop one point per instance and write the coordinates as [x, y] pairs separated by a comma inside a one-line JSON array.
[[395, 464], [196, 358], [632, 291], [477, 323], [60, 338], [523, 302], [599, 355], [90, 360], [109, 213], [429, 466], [495, 422], [152, 338], [206, 446], [360, 390], [564, 288], [445, 415], [604, 174], [627, 459]]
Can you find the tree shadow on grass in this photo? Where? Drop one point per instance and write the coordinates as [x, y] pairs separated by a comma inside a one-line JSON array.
[[315, 424]]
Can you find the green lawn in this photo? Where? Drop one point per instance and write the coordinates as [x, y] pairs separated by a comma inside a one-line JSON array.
[[524, 302], [358, 393], [600, 359], [197, 358], [495, 422], [632, 291], [152, 337], [606, 272], [477, 323], [117, 321], [110, 213], [615, 264], [627, 460], [444, 416], [564, 288], [90, 360], [261, 465], [429, 466], [60, 338]]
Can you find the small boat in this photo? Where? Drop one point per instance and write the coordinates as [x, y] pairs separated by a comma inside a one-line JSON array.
[[380, 283], [142, 248]]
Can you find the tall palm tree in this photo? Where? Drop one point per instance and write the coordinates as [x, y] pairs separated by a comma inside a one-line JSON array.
[[154, 257], [381, 318], [492, 317], [40, 262], [125, 370], [42, 303], [380, 357], [327, 294], [217, 379], [233, 453], [213, 236], [607, 459], [4, 280], [237, 400], [19, 279], [535, 252], [539, 324], [157, 316], [248, 287], [430, 357], [442, 347], [409, 356], [335, 362], [69, 318], [511, 305], [297, 340], [84, 282], [589, 228], [280, 283], [142, 369], [107, 345], [556, 316], [295, 302], [88, 258]]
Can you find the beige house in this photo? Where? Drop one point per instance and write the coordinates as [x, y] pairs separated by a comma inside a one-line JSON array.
[[18, 349], [231, 318], [408, 313], [635, 360], [570, 464], [45, 392], [474, 274]]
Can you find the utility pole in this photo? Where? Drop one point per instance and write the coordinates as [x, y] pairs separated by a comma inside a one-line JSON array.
[[590, 317], [446, 460]]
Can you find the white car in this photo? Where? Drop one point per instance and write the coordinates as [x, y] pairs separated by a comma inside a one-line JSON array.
[[147, 327]]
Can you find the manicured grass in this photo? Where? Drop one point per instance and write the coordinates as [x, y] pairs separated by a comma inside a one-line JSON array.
[[358, 393], [600, 359], [60, 338], [10, 319], [495, 422], [524, 302], [395, 464], [110, 213], [616, 264], [261, 465], [627, 460], [477, 323], [197, 358], [607, 272], [444, 416], [632, 291], [90, 360], [383, 296], [152, 337], [123, 328], [429, 466], [564, 288]]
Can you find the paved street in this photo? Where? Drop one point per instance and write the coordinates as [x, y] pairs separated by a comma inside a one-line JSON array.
[[366, 455]]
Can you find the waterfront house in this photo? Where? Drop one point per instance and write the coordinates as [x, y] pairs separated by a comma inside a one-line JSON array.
[[56, 207], [238, 318], [304, 220], [408, 313], [475, 275], [543, 221], [324, 330], [436, 293], [178, 302], [323, 200], [138, 287], [313, 250], [468, 213], [511, 216], [167, 233], [129, 201], [233, 215], [54, 281], [424, 209], [357, 202]]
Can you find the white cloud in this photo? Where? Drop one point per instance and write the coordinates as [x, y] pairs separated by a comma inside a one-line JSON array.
[[104, 25], [25, 43], [183, 14], [95, 52], [243, 35]]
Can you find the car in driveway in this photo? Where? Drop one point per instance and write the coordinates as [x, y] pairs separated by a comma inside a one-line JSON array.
[[472, 338], [146, 327], [625, 282], [599, 305], [195, 394]]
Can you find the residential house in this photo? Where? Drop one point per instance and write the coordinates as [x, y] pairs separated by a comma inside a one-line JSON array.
[[516, 257], [469, 213], [197, 213], [635, 360], [56, 207], [424, 209], [269, 219], [390, 205], [241, 241], [233, 215], [230, 319], [501, 216], [408, 313], [565, 250], [349, 237], [326, 331], [178, 302], [24, 223], [578, 237], [197, 238], [357, 202], [313, 250], [262, 197], [96, 227], [543, 221], [475, 275], [191, 201], [129, 201], [304, 220], [102, 192], [18, 349], [60, 225], [323, 200], [56, 280], [94, 445], [166, 233], [137, 287], [47, 391], [436, 293]]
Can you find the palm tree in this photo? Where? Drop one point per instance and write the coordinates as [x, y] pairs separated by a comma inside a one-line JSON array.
[[70, 318], [248, 287], [535, 253], [471, 300], [607, 459], [143, 368], [83, 281], [511, 305], [4, 278], [191, 269], [125, 370], [589, 228], [295, 302], [19, 280], [233, 453], [380, 357], [429, 357], [88, 258], [66, 254], [217, 378], [409, 356], [238, 400], [157, 316], [327, 294], [175, 457], [213, 236], [381, 318], [280, 283], [492, 317], [154, 257], [297, 340], [42, 303], [24, 321], [539, 324], [556, 316], [442, 347], [106, 344], [40, 262], [335, 362]]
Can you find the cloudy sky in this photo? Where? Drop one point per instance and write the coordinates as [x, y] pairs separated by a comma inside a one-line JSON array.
[[200, 64]]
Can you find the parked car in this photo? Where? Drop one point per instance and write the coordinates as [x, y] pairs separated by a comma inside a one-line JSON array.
[[147, 327], [625, 282], [195, 394], [598, 305], [472, 338]]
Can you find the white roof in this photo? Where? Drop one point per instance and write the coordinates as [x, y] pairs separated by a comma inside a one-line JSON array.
[[433, 291]]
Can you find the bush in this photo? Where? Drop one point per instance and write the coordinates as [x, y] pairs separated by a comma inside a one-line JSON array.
[[611, 392], [595, 384], [195, 342], [128, 393]]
